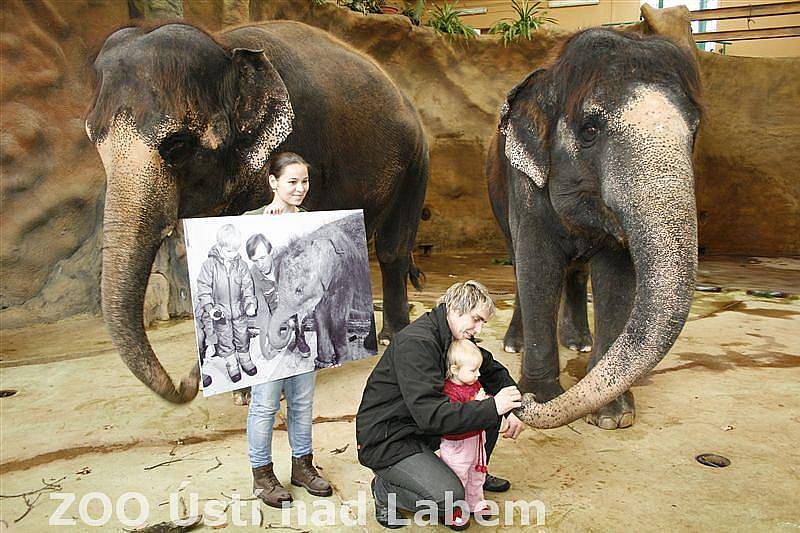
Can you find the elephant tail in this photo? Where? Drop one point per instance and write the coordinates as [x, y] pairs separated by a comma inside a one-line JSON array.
[[417, 276]]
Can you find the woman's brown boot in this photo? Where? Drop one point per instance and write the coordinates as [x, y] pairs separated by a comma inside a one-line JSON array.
[[268, 489], [305, 475]]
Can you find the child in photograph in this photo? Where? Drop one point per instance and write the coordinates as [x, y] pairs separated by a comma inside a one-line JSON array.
[[465, 453], [225, 291]]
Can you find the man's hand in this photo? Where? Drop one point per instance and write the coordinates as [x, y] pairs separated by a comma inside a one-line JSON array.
[[515, 427], [481, 395], [507, 399]]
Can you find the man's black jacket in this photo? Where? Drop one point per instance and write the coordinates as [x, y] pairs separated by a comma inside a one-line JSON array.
[[404, 407]]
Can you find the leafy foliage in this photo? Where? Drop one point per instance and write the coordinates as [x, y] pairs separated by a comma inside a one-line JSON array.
[[362, 6], [447, 20], [529, 19], [415, 12]]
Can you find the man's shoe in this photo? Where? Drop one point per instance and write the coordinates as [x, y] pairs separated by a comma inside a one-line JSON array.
[[302, 346], [496, 484], [305, 475], [382, 511], [206, 381], [268, 489]]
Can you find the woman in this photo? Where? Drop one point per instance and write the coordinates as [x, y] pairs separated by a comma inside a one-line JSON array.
[[288, 179]]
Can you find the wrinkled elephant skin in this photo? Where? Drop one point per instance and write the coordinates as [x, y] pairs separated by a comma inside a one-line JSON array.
[[185, 124], [592, 165], [324, 274]]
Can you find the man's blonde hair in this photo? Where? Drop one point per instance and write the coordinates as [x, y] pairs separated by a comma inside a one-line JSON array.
[[465, 297], [462, 352]]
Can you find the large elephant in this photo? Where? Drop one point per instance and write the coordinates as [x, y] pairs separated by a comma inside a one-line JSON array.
[[324, 274], [592, 163], [185, 122]]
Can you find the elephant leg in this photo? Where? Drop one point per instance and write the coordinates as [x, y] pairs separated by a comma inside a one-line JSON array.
[[514, 341], [326, 351], [540, 272], [339, 337], [394, 241], [573, 326], [371, 340], [613, 289]]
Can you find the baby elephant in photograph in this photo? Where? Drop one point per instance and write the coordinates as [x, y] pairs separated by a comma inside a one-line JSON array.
[[592, 165], [324, 274]]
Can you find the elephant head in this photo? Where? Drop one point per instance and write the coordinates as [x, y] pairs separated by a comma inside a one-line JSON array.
[[182, 125], [606, 132], [305, 276]]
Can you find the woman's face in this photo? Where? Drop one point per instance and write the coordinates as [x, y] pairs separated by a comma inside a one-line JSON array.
[[291, 186]]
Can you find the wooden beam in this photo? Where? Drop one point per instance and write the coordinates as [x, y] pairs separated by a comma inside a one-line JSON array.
[[749, 11], [745, 35]]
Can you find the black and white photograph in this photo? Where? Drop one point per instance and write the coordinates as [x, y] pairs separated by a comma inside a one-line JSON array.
[[276, 297]]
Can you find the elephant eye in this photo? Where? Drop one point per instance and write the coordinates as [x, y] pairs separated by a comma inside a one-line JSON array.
[[588, 134], [178, 148]]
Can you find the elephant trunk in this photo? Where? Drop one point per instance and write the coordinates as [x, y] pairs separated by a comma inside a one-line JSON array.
[[652, 195], [140, 208], [278, 336]]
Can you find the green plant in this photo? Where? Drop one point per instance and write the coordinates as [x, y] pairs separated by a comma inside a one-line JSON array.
[[362, 6], [319, 2], [529, 18], [415, 12], [446, 20]]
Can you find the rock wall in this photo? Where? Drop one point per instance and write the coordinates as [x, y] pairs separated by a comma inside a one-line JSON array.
[[52, 178]]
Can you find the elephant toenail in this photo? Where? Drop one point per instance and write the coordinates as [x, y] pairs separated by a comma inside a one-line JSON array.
[[626, 420], [606, 422], [586, 348], [573, 347]]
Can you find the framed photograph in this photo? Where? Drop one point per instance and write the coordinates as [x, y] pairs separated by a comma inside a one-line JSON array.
[[278, 295]]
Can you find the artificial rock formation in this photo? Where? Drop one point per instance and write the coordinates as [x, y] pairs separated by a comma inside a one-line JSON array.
[[53, 181]]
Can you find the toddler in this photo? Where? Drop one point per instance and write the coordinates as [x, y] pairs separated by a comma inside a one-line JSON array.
[[225, 291], [465, 453]]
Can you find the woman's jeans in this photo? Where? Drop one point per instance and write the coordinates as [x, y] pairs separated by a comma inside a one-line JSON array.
[[265, 401]]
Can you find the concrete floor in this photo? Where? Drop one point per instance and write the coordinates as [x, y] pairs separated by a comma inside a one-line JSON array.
[[730, 385]]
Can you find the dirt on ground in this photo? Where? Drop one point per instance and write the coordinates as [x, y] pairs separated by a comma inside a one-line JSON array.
[[81, 436]]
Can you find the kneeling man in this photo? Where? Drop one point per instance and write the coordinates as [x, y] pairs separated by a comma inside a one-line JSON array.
[[404, 411]]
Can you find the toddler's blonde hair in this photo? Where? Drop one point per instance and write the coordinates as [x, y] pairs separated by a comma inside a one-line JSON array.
[[462, 352], [229, 237]]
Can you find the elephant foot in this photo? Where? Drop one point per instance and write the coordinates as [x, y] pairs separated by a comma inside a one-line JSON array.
[[543, 390], [385, 336], [577, 341], [616, 414], [303, 347], [513, 341]]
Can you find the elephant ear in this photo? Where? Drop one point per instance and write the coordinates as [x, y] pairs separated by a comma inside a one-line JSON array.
[[524, 122], [263, 110], [326, 251]]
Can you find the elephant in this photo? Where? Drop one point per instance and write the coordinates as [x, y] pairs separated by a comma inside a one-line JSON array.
[[185, 123], [590, 170], [324, 274]]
